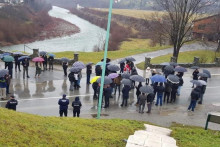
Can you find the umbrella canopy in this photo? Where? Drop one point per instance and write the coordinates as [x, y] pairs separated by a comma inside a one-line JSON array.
[[6, 54], [42, 53], [94, 79], [207, 72], [113, 68], [113, 75], [64, 59], [180, 69], [173, 79], [203, 82], [146, 89], [8, 58], [79, 65], [196, 82], [173, 64], [3, 72], [107, 80], [99, 63], [126, 82], [158, 78], [130, 59], [204, 75], [51, 55], [165, 63], [169, 68], [74, 69], [23, 57], [107, 60], [37, 59], [90, 63], [125, 75], [195, 67], [17, 53], [122, 61], [137, 78]]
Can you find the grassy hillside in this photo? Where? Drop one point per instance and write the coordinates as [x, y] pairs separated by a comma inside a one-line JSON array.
[[19, 129]]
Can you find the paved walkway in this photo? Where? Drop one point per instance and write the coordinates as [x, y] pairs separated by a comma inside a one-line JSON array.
[[152, 136]]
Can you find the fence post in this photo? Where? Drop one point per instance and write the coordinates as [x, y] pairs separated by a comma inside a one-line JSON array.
[[196, 61], [173, 59], [217, 61], [76, 57]]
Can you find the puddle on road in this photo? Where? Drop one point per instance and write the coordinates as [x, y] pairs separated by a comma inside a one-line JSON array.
[[95, 115], [167, 112]]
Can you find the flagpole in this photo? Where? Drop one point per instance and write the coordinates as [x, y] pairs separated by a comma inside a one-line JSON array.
[[104, 62]]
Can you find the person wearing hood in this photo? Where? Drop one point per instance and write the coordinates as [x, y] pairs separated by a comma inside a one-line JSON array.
[[148, 75], [50, 60], [195, 75], [12, 103], [76, 107], [63, 105], [160, 90], [125, 95], [195, 95]]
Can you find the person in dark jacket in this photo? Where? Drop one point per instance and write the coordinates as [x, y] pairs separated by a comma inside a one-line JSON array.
[[138, 91], [76, 107], [98, 70], [50, 60], [10, 68], [38, 70], [160, 90], [150, 99], [65, 66], [88, 73], [107, 94], [155, 87], [8, 81], [25, 64], [167, 92], [12, 103], [195, 95], [45, 62], [173, 92], [203, 89], [180, 84], [17, 63], [95, 86], [63, 106], [122, 66], [195, 75], [125, 95], [72, 80], [142, 101]]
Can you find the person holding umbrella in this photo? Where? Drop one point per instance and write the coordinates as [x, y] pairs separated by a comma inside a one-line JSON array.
[[122, 66], [107, 94], [125, 94], [45, 62], [17, 63], [203, 89], [195, 75], [195, 95], [8, 81], [159, 89], [65, 66], [25, 64], [88, 72], [10, 69], [127, 68], [142, 101], [50, 60], [12, 103], [167, 92], [138, 92], [72, 80]]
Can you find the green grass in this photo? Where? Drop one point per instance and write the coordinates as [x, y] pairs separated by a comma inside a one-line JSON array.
[[191, 136], [127, 48], [185, 57], [20, 129]]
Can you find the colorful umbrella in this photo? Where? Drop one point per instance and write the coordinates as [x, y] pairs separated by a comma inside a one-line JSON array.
[[113, 75], [8, 58], [94, 79], [37, 59]]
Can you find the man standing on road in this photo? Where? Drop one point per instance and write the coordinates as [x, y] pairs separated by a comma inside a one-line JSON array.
[[88, 73], [76, 107], [17, 63], [63, 105], [12, 103], [25, 64]]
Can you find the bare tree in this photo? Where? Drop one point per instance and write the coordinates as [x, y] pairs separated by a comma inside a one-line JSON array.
[[177, 23]]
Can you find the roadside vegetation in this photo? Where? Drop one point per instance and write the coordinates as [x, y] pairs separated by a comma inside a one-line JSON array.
[[205, 56]]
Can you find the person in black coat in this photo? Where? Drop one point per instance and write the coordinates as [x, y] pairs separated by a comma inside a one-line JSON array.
[[173, 92], [150, 99], [25, 64], [12, 103], [65, 66], [160, 90], [195, 75], [122, 66], [125, 95], [195, 95], [95, 86], [76, 107], [98, 70], [107, 94], [63, 106], [50, 60], [72, 80], [180, 83], [10, 68], [168, 89], [138, 91], [88, 73], [17, 63], [45, 62]]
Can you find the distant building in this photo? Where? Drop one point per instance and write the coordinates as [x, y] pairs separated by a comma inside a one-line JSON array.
[[207, 28]]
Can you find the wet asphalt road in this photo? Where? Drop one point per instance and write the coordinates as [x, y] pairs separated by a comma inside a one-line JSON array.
[[40, 96]]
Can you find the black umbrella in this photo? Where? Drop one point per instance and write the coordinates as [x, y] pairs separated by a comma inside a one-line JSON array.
[[64, 59], [173, 79], [168, 69], [196, 82], [207, 72], [126, 82], [204, 75], [3, 72], [126, 75], [195, 67], [130, 59], [113, 67], [74, 69], [146, 89], [42, 53], [137, 78], [107, 80], [107, 60], [122, 61], [180, 69]]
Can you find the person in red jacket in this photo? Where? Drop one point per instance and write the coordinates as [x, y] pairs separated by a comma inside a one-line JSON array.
[[127, 68]]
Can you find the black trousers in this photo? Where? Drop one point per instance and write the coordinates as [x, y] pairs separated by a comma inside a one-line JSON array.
[[63, 112], [173, 96], [166, 94], [124, 101], [106, 101], [117, 87], [17, 64], [76, 112]]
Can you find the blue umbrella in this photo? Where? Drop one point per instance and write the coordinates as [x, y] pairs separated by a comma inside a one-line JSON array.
[[6, 54], [51, 55], [158, 78], [23, 57]]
